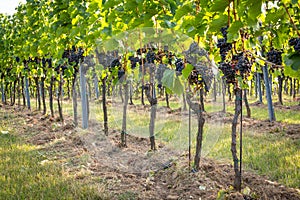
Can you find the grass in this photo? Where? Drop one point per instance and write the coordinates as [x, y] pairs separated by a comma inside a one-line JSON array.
[[289, 116], [25, 172], [273, 155]]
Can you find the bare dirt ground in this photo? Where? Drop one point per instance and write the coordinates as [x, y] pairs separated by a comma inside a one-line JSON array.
[[89, 154]]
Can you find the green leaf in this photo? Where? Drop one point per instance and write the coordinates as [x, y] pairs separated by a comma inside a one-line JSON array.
[[111, 3], [203, 3], [178, 87], [275, 16], [233, 31], [219, 6], [172, 82], [187, 70], [183, 11], [168, 78], [294, 61], [218, 23], [255, 9]]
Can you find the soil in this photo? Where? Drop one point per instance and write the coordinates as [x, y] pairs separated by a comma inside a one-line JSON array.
[[163, 174]]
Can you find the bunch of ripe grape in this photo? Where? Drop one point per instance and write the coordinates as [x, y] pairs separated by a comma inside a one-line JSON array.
[[295, 42], [274, 56]]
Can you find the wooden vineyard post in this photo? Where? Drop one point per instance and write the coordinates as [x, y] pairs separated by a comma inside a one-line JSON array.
[[236, 166], [123, 134]]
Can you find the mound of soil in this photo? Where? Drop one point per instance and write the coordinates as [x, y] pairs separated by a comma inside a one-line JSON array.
[[163, 174]]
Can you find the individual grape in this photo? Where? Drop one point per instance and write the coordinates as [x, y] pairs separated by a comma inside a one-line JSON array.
[[17, 59]]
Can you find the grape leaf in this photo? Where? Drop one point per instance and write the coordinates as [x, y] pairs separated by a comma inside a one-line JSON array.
[[233, 31], [187, 70], [293, 60], [183, 11], [219, 5], [255, 9], [218, 23], [178, 88], [172, 82], [168, 78]]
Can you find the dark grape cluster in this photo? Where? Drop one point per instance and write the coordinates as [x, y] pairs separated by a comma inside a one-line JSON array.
[[150, 56], [224, 31], [201, 75], [242, 64], [74, 55], [61, 67], [116, 65], [47, 61], [295, 42], [274, 56], [140, 51], [239, 64], [170, 57], [223, 45], [133, 61], [228, 71], [179, 65]]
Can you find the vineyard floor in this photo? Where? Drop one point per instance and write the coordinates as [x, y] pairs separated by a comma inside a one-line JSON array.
[[68, 147]]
